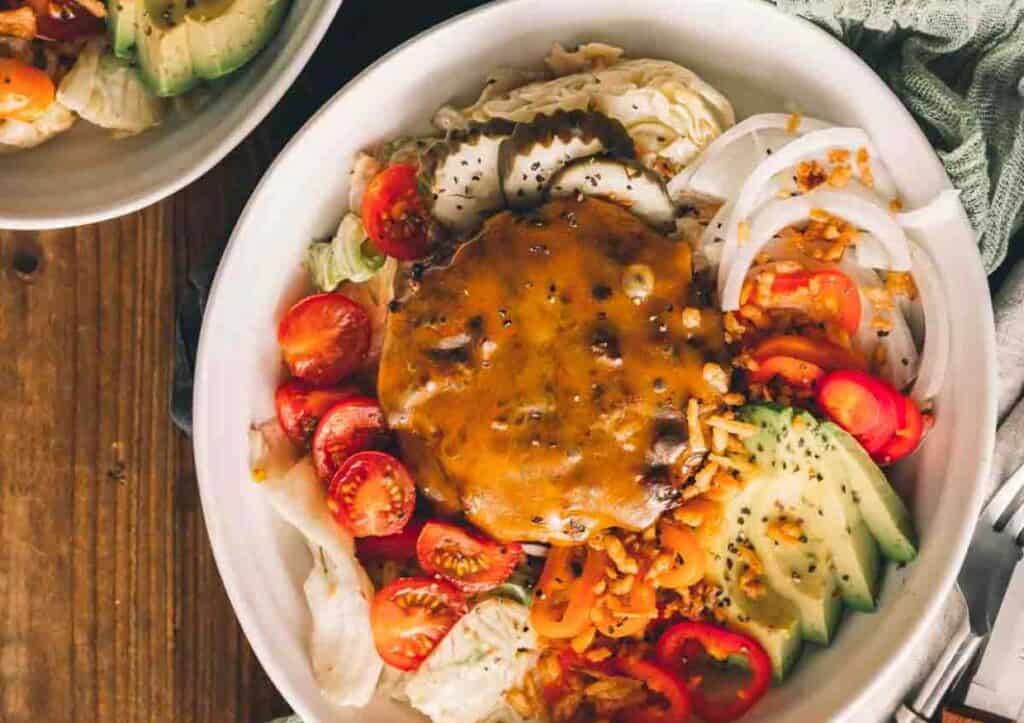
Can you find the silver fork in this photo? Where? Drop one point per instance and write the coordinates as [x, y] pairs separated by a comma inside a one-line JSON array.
[[995, 550]]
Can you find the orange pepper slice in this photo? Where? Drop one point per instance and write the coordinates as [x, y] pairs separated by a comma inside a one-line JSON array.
[[25, 92], [623, 618], [691, 557], [549, 617]]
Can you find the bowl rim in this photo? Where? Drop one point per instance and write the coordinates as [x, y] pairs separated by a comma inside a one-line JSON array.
[[946, 575], [267, 91]]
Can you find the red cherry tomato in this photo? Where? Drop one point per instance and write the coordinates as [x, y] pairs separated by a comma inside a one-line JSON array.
[[300, 406], [471, 561], [826, 290], [671, 689], [324, 338], [65, 20], [352, 425], [372, 494], [409, 618], [394, 215], [25, 91], [863, 405], [908, 434], [797, 372], [399, 547]]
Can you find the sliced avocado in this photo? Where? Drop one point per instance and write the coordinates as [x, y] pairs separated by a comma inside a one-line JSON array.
[[182, 42], [223, 36], [122, 24], [802, 442], [165, 61], [882, 509], [770, 619]]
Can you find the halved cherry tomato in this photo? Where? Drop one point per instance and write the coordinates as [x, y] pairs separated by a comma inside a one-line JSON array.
[[819, 352], [825, 290], [410, 616], [25, 91], [691, 560], [393, 213], [565, 599], [399, 547], [324, 338], [908, 434], [372, 494], [352, 425], [676, 705], [863, 405], [794, 371], [679, 649], [300, 406], [471, 561]]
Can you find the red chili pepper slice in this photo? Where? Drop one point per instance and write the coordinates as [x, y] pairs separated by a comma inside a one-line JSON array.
[[665, 684], [679, 648]]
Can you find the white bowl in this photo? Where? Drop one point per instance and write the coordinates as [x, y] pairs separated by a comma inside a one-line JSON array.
[[86, 175], [759, 58]]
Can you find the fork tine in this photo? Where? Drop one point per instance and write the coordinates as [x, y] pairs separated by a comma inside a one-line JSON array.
[[1004, 496], [1015, 526]]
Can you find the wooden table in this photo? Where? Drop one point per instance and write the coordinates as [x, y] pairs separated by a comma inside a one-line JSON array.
[[112, 607]]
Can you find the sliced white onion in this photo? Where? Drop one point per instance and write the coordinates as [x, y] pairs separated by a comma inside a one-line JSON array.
[[779, 213], [942, 208], [763, 182], [715, 151], [900, 351], [936, 350], [534, 549], [871, 254]]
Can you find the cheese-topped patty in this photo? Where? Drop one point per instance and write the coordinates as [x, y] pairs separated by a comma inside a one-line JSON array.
[[538, 383]]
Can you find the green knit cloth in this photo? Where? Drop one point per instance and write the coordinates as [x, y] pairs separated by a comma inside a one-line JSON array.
[[957, 65]]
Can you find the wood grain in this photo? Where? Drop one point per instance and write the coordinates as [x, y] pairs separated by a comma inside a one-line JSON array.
[[112, 609]]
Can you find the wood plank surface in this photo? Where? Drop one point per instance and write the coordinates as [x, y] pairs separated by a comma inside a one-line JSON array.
[[111, 607]]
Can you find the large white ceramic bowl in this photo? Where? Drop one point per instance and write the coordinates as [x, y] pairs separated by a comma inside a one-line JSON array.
[[87, 175], [759, 58]]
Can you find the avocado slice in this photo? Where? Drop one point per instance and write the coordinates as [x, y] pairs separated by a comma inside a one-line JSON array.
[[808, 450], [182, 42], [811, 512], [122, 25], [771, 619], [882, 509], [224, 35]]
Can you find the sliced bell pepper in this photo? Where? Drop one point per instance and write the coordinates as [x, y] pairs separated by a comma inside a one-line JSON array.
[[797, 372], [677, 705], [863, 405], [679, 649], [691, 560], [564, 600], [819, 352], [825, 290]]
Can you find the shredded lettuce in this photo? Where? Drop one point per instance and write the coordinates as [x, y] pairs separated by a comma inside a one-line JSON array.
[[349, 256], [107, 91]]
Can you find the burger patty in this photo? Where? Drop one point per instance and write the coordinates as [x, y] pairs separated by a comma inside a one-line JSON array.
[[538, 383]]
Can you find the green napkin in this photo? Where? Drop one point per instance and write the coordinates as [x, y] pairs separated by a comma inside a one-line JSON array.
[[957, 66]]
